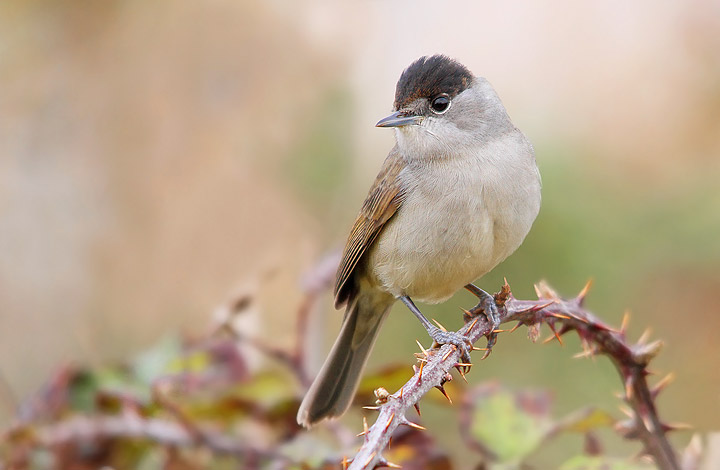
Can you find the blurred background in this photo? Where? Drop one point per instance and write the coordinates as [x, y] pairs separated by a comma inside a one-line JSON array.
[[156, 158]]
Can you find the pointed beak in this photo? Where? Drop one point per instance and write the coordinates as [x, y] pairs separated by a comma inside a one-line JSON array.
[[398, 119]]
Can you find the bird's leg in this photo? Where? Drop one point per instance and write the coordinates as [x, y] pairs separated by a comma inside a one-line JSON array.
[[489, 308], [440, 336]]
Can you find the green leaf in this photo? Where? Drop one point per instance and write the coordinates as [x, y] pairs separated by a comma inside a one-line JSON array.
[[509, 424], [584, 462]]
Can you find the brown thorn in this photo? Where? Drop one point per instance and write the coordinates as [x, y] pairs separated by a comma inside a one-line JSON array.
[[415, 425], [584, 291], [372, 456], [344, 462], [581, 355], [537, 308], [462, 374], [392, 416], [538, 292], [479, 349], [514, 327], [392, 465], [417, 408], [402, 389], [556, 334], [365, 425], [676, 426], [422, 365], [389, 442], [625, 322], [559, 315], [424, 351], [447, 354], [464, 364], [374, 408], [439, 325], [442, 390], [472, 325], [627, 411], [660, 386], [644, 337]]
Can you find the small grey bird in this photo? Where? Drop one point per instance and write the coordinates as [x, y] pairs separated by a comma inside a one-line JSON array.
[[456, 195]]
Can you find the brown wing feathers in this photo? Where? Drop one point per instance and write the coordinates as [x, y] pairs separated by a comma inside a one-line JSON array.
[[383, 200]]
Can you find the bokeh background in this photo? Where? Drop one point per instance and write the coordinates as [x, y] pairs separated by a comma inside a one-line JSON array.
[[156, 158]]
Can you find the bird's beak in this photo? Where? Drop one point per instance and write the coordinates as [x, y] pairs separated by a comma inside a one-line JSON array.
[[398, 119]]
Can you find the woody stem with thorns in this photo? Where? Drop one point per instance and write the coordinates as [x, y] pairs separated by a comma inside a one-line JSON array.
[[561, 316]]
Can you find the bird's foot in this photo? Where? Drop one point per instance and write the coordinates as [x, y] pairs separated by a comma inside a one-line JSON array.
[[489, 308], [460, 341]]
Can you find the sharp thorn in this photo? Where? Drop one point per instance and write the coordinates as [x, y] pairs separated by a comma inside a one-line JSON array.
[[424, 351], [417, 408], [447, 354], [537, 308], [472, 325], [365, 425], [420, 371], [644, 337], [625, 322], [372, 456], [676, 427], [414, 425], [344, 462], [583, 354], [402, 390], [479, 349], [627, 411], [387, 463], [584, 291], [373, 408], [660, 386], [439, 325], [464, 364], [538, 292], [462, 374], [392, 416], [561, 316], [442, 390], [556, 334], [514, 328]]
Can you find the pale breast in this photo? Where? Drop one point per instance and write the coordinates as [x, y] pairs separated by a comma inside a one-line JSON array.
[[458, 221]]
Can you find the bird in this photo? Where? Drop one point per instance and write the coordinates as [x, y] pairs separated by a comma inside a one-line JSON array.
[[456, 195]]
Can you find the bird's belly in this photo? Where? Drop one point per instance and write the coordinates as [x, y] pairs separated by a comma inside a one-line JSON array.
[[431, 249]]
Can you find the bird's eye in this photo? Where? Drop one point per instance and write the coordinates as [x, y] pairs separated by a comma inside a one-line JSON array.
[[440, 104]]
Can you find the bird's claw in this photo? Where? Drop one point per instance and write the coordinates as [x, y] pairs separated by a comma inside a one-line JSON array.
[[458, 340], [489, 308]]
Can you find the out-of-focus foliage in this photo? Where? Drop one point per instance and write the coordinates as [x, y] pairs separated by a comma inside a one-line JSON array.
[[200, 402]]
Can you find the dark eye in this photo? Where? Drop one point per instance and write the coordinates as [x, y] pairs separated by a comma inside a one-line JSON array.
[[440, 104]]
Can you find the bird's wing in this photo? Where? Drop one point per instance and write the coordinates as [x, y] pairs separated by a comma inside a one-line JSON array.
[[383, 200]]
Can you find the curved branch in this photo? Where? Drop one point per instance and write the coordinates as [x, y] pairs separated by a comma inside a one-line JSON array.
[[561, 316]]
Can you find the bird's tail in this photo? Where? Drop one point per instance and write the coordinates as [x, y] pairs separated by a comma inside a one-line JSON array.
[[334, 387]]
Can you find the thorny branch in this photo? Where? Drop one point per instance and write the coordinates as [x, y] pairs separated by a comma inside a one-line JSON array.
[[561, 316]]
